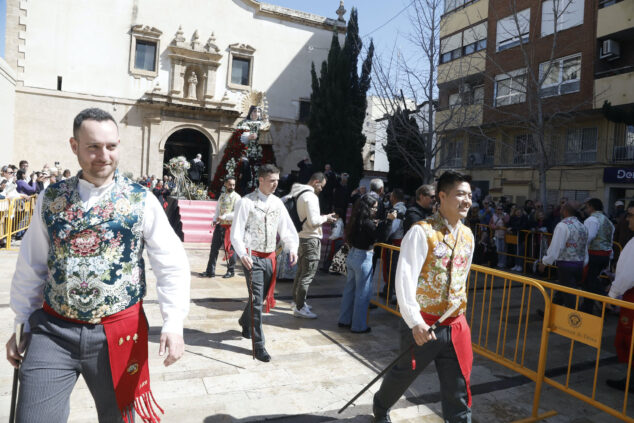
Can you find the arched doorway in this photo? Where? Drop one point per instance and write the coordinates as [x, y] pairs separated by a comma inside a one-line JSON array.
[[188, 142]]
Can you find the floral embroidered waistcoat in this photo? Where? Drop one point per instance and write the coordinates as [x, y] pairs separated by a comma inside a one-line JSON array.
[[226, 203], [443, 277], [261, 226], [575, 248], [95, 258], [603, 240]]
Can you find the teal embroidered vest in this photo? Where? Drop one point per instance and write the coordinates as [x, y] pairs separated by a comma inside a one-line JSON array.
[[95, 258], [575, 248], [603, 240]]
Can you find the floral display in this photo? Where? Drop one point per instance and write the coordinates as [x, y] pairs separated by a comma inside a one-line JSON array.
[[185, 188]]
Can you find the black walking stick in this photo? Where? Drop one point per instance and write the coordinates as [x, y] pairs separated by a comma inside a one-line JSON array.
[[251, 299], [16, 372], [401, 355]]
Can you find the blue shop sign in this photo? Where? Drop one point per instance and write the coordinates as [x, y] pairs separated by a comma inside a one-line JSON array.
[[618, 175]]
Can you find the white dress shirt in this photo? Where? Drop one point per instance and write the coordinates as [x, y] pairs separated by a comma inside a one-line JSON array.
[[624, 277], [165, 251], [285, 227], [592, 225], [410, 263], [558, 243]]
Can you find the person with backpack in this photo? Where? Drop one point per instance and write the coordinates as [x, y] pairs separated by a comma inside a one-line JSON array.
[[308, 220]]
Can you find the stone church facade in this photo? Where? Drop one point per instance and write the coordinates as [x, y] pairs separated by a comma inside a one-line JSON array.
[[177, 79]]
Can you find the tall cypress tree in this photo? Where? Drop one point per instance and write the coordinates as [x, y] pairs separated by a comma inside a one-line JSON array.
[[403, 144], [338, 105]]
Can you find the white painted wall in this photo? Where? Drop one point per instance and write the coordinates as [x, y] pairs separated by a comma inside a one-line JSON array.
[[7, 112], [88, 44]]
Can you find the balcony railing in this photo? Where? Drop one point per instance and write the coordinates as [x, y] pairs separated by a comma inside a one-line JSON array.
[[623, 152]]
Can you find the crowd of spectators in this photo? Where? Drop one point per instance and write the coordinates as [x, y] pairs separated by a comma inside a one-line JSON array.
[[21, 182], [495, 223]]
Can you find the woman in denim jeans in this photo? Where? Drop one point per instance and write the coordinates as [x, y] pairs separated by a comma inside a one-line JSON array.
[[361, 234]]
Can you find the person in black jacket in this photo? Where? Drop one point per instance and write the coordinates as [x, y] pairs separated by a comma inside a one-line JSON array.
[[422, 209]]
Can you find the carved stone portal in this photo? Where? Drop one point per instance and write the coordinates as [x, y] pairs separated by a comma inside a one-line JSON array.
[[193, 67]]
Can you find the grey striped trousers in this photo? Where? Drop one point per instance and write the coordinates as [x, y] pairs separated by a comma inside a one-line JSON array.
[[59, 351]]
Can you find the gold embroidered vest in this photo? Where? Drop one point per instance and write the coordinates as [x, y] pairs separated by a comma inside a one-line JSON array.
[[443, 277], [226, 204]]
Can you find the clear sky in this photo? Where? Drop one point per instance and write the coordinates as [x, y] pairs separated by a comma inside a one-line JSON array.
[[384, 21]]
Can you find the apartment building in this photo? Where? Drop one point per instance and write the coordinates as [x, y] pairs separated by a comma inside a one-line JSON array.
[[522, 84]]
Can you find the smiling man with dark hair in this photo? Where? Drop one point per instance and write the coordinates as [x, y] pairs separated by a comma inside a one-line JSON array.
[[431, 278]]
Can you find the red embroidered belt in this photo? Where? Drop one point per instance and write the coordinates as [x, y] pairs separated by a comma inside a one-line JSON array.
[[269, 300], [461, 340], [600, 252], [127, 336]]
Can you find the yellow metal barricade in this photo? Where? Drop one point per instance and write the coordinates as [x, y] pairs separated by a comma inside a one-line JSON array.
[[391, 254], [579, 331], [15, 217], [5, 223], [509, 312]]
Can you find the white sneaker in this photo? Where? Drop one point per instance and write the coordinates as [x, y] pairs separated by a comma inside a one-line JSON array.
[[294, 306], [305, 313]]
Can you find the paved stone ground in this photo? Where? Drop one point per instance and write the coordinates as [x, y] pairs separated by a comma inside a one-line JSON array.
[[316, 367]]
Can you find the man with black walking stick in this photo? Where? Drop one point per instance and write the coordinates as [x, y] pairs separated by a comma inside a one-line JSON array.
[[259, 217], [431, 278]]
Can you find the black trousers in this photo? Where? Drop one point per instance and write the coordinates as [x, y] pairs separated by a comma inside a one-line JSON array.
[[217, 241], [593, 282], [453, 387], [261, 272]]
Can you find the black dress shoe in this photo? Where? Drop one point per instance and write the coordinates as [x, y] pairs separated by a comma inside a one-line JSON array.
[[343, 325], [619, 384], [379, 417], [228, 275], [262, 355], [207, 274], [246, 333], [366, 330]]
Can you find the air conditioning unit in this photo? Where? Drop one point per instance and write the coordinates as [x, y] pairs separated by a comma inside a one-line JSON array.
[[610, 50], [476, 159]]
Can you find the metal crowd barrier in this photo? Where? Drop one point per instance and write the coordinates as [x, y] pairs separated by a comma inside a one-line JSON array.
[[509, 312], [15, 217]]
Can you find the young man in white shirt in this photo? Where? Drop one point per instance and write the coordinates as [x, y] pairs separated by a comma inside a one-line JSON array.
[[258, 219]]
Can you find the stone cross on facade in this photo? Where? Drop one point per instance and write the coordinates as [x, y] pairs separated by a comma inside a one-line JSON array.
[[341, 11]]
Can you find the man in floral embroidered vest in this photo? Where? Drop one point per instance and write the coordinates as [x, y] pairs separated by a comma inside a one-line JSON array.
[[431, 277], [600, 234], [79, 285], [568, 250], [222, 231], [259, 218]]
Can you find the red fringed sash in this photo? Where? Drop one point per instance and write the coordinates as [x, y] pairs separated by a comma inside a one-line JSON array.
[[228, 251], [269, 300], [461, 340], [623, 337], [127, 335]]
